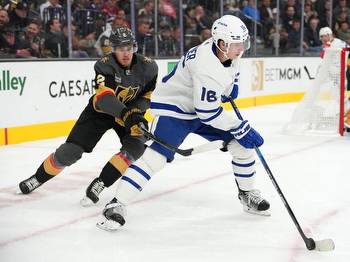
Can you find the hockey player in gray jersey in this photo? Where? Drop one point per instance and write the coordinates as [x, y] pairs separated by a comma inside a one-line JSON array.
[[189, 100]]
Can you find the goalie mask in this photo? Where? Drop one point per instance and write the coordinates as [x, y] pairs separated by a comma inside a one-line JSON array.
[[122, 36], [325, 31], [231, 30]]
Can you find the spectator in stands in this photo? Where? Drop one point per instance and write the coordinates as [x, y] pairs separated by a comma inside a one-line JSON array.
[[144, 38], [110, 8], [88, 43], [267, 19], [312, 37], [166, 43], [77, 50], [291, 3], [55, 43], [8, 42], [176, 34], [147, 10], [4, 19], [122, 17], [294, 35], [325, 14], [342, 17], [167, 8], [309, 12], [288, 18], [29, 42], [203, 21], [19, 16], [341, 7], [251, 11], [95, 5], [45, 15], [103, 46], [343, 32]]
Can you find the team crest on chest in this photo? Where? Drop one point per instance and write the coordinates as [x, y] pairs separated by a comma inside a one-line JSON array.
[[125, 94]]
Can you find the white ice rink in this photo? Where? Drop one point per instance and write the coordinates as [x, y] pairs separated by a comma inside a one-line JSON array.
[[189, 211]]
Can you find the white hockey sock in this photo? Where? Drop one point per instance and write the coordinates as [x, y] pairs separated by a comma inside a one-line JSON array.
[[244, 173], [138, 174], [243, 165]]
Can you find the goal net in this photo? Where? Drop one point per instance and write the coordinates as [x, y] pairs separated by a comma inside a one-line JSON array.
[[321, 110]]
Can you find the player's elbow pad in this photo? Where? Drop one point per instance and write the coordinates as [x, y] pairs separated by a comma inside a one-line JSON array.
[[109, 104]]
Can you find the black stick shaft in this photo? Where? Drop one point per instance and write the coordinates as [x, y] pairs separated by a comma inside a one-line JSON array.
[[309, 242]]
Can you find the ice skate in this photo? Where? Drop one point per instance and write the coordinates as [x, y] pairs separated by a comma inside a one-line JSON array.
[[28, 185], [114, 213], [92, 193], [253, 203]]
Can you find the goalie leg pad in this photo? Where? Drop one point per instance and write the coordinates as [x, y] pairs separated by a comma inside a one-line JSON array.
[[138, 174]]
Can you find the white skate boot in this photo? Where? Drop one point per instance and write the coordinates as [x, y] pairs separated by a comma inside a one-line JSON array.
[[114, 213]]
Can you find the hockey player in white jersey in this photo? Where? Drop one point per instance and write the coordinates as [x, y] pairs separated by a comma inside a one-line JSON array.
[[188, 100]]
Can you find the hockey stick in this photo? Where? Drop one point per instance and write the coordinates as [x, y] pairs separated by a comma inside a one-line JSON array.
[[320, 245], [184, 152]]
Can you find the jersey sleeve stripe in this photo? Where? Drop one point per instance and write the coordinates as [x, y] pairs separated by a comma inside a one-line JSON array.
[[155, 105], [212, 117]]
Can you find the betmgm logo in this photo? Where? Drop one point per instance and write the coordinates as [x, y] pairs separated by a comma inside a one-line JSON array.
[[257, 75]]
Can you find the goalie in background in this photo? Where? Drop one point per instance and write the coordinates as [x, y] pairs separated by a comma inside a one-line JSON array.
[[189, 100], [329, 41], [124, 82]]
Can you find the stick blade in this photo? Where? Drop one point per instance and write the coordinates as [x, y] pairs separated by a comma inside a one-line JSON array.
[[324, 245], [207, 147]]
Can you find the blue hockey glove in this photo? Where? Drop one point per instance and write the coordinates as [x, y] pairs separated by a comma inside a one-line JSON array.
[[233, 94], [247, 136]]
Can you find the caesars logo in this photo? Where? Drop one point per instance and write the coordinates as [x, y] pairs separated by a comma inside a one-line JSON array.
[[257, 75], [125, 94]]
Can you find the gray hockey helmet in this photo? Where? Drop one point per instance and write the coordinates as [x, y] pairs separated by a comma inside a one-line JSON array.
[[122, 36]]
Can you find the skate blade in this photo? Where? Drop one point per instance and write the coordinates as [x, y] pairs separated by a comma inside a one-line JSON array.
[[108, 225], [86, 202], [265, 213]]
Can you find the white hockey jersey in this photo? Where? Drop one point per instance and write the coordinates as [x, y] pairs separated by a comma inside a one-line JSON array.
[[195, 86]]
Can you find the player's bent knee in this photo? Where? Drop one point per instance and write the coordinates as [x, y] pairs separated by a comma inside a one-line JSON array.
[[154, 160], [133, 150], [238, 151], [68, 153]]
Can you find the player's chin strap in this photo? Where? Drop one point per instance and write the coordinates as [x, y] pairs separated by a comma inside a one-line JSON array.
[[321, 245], [184, 152]]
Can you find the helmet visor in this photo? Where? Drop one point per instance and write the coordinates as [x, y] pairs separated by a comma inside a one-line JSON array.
[[239, 46]]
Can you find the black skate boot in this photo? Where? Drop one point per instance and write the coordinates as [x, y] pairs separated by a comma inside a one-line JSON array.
[[29, 184], [253, 203], [114, 213], [92, 192]]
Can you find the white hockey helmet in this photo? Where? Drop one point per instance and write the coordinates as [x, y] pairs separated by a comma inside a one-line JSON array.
[[325, 31], [230, 29]]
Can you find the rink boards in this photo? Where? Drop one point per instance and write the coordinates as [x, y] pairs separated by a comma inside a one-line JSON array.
[[42, 99]]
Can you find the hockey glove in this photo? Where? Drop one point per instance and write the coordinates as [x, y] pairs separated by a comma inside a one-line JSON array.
[[247, 136], [233, 94], [133, 119]]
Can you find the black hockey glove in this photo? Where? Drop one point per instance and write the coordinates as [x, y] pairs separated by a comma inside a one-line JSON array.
[[133, 119]]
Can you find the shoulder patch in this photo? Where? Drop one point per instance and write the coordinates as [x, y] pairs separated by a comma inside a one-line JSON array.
[[104, 59], [147, 59]]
